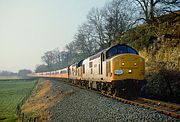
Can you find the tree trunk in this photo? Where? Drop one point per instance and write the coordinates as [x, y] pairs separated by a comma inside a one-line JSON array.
[[151, 10]]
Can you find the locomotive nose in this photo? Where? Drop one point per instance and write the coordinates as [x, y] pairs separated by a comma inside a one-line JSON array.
[[128, 67]]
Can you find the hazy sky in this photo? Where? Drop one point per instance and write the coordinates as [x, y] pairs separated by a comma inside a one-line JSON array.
[[28, 28]]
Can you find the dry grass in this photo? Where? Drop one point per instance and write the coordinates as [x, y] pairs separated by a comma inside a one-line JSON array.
[[41, 100]]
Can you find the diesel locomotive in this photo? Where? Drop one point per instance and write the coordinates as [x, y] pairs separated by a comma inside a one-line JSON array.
[[117, 70]]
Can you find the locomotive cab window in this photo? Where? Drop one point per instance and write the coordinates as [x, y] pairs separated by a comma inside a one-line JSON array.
[[131, 50], [90, 64], [120, 49]]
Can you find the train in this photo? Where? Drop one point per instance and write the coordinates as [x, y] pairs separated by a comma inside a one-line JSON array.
[[117, 70]]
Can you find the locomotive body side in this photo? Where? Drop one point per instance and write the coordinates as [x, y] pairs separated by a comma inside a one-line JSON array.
[[73, 71], [91, 69], [63, 73]]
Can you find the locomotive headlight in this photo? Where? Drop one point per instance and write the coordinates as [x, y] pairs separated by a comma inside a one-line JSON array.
[[130, 71]]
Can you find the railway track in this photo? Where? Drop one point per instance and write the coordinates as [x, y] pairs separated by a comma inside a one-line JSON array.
[[159, 106]]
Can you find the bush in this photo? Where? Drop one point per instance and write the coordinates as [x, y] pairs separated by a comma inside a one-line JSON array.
[[164, 83]]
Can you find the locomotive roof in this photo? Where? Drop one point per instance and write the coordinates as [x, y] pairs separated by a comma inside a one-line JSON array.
[[117, 45], [103, 51]]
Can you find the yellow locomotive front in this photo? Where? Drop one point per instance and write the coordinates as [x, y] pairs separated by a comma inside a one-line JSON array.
[[126, 70], [127, 66]]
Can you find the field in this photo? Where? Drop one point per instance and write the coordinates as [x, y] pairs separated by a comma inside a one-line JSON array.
[[9, 77], [11, 93]]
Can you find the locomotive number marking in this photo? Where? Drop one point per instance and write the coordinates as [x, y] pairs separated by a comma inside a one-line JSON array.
[[118, 72]]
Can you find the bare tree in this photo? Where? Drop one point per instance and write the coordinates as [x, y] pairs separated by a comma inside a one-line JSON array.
[[111, 21], [85, 41], [71, 50], [49, 58], [57, 55], [24, 73], [96, 21], [41, 68], [118, 16], [151, 8]]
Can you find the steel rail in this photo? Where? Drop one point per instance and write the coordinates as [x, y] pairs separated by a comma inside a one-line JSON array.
[[160, 103], [139, 103]]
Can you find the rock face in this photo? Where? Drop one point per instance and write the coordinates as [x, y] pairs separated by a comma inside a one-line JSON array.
[[163, 69], [162, 54], [159, 44], [163, 60], [163, 48]]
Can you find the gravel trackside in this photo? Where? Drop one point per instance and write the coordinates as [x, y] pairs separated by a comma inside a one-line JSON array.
[[80, 105]]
